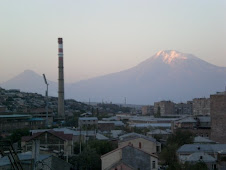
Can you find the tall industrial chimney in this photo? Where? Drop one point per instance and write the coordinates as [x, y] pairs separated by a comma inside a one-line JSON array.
[[60, 79]]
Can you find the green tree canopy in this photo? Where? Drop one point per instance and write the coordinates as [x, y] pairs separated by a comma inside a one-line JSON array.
[[17, 134]]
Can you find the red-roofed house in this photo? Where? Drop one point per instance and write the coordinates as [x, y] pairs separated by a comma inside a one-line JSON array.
[[50, 142]]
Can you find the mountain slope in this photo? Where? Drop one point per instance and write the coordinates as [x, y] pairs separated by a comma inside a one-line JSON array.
[[168, 75], [29, 81]]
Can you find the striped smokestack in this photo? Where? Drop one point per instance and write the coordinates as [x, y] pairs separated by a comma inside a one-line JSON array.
[[60, 79]]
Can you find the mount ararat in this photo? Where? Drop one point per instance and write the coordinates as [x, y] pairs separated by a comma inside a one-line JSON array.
[[168, 75]]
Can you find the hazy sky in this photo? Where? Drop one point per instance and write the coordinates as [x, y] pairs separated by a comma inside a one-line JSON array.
[[105, 36]]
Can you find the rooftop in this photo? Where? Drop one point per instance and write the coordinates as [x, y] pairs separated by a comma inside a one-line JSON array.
[[209, 148], [60, 135], [142, 125], [199, 139], [23, 157], [15, 116], [187, 120], [88, 118], [200, 156], [131, 147], [158, 132], [130, 136]]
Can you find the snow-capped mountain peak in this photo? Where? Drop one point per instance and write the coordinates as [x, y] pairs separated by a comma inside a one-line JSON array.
[[168, 56]]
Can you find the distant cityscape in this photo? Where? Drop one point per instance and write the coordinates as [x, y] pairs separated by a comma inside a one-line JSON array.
[[113, 85], [141, 133]]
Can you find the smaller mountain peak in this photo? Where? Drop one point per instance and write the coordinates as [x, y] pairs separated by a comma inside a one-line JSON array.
[[169, 56], [29, 72]]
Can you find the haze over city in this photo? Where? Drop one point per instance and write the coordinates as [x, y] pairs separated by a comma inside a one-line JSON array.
[[113, 85], [102, 37]]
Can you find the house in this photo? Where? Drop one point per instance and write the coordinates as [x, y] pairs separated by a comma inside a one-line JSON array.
[[186, 123], [199, 139], [195, 157], [50, 142], [78, 135], [145, 143], [214, 155], [129, 157], [163, 134], [87, 122], [44, 162]]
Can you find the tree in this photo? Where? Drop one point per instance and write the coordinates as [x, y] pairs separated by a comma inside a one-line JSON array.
[[77, 147], [17, 134], [180, 138], [101, 147], [87, 160], [140, 130], [196, 166], [168, 154]]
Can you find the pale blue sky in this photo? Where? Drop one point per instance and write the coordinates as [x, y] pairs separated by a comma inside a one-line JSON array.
[[104, 36]]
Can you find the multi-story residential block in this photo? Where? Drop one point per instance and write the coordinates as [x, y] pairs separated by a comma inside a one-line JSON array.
[[201, 106], [184, 108], [218, 117], [147, 110], [164, 108]]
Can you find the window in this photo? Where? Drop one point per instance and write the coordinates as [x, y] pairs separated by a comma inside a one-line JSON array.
[[139, 144], [153, 164]]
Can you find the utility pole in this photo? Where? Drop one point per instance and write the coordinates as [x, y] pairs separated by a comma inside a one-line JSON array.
[[47, 103]]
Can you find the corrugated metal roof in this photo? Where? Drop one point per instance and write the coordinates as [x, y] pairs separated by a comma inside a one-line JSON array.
[[200, 156], [23, 157], [87, 118], [101, 137], [199, 139], [130, 136], [141, 125], [158, 132], [210, 148], [15, 116]]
